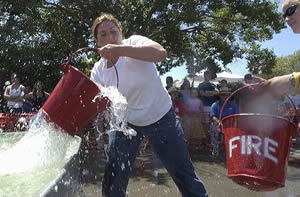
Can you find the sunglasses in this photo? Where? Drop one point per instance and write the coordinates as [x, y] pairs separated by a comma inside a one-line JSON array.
[[290, 11]]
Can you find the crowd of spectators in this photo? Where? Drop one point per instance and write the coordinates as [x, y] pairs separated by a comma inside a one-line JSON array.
[[198, 109], [21, 99]]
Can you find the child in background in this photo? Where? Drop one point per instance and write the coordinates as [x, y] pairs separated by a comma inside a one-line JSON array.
[[194, 131], [229, 109], [177, 102]]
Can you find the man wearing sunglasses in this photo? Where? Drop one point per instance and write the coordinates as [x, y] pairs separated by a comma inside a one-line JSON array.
[[290, 83]]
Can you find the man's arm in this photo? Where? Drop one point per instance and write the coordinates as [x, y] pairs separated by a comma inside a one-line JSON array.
[[151, 51], [257, 79], [282, 84]]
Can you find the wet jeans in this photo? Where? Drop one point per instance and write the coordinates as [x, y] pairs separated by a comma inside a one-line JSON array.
[[167, 141]]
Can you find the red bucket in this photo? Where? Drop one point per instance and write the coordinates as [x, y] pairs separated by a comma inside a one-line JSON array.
[[257, 148], [71, 105]]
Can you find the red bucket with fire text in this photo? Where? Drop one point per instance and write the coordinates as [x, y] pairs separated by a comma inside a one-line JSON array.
[[258, 145], [72, 104]]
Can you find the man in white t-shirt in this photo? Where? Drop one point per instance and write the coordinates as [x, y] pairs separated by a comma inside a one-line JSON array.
[[149, 110]]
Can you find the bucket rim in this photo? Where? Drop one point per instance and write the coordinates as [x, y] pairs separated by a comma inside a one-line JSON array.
[[276, 184], [253, 85], [259, 114], [265, 178], [82, 75]]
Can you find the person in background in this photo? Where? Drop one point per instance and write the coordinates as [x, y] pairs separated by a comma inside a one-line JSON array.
[[38, 96], [178, 104], [149, 111], [194, 104], [289, 83], [169, 82], [4, 107], [194, 129], [185, 91], [229, 109], [183, 97], [27, 105], [222, 83], [13, 94], [207, 92]]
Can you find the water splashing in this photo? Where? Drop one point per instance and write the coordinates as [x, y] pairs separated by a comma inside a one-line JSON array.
[[116, 112], [41, 146]]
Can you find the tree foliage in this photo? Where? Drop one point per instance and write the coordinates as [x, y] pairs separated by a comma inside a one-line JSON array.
[[286, 65], [37, 35], [260, 61]]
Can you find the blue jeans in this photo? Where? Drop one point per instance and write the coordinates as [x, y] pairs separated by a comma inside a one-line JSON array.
[[214, 136], [167, 141]]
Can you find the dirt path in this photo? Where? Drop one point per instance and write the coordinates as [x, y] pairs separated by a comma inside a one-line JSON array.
[[213, 173]]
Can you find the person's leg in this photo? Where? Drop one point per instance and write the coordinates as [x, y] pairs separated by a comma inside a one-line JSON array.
[[122, 151], [214, 139], [167, 140], [156, 163]]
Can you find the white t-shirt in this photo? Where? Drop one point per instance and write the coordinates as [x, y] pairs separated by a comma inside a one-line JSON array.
[[139, 82]]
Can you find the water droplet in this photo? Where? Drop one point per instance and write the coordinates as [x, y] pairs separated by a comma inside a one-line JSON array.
[[122, 166]]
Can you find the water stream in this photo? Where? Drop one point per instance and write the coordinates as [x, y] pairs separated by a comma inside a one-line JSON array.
[[31, 160], [116, 112]]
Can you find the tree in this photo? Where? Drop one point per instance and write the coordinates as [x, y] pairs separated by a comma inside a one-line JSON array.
[[286, 65], [260, 61], [37, 35]]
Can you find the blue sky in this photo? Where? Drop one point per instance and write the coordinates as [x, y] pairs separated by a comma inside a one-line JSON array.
[[283, 44]]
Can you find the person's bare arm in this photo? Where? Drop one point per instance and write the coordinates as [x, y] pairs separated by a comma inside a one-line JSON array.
[[8, 97], [257, 79], [5, 95], [28, 96], [151, 51], [282, 85]]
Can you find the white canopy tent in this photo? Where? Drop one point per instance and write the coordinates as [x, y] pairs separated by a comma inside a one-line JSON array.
[[223, 75]]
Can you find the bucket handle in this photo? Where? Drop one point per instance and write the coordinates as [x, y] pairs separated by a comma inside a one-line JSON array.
[[246, 86], [66, 66]]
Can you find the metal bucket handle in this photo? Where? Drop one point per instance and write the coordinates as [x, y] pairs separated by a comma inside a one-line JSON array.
[[66, 66], [246, 86]]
